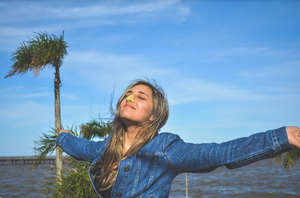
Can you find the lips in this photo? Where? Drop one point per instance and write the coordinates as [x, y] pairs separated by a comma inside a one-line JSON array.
[[128, 105]]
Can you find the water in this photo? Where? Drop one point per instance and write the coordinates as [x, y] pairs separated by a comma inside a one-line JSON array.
[[20, 181], [261, 179]]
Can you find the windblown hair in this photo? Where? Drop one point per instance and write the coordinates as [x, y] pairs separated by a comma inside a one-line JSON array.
[[113, 153]]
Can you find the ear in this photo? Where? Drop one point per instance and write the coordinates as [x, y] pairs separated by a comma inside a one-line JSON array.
[[151, 117]]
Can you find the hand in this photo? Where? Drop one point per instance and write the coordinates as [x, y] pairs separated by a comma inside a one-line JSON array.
[[63, 130], [293, 134]]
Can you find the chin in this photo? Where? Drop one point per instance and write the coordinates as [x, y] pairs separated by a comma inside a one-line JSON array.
[[125, 119]]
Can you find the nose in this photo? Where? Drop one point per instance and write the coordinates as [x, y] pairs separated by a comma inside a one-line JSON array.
[[130, 98]]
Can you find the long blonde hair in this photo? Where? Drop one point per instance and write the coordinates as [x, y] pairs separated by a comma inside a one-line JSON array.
[[113, 153]]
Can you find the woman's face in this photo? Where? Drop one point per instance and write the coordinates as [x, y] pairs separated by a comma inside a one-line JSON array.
[[137, 108]]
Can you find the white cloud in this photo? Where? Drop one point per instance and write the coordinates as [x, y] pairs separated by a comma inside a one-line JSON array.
[[35, 113], [11, 37], [254, 51], [250, 52], [25, 113], [110, 10], [107, 68], [288, 70], [68, 10], [21, 92], [192, 90], [111, 69], [19, 20], [28, 95]]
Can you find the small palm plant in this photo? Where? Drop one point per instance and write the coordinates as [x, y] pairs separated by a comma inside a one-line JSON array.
[[289, 159], [74, 180]]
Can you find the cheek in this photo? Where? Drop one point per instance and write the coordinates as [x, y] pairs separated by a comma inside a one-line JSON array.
[[121, 105], [123, 102], [149, 109], [150, 106]]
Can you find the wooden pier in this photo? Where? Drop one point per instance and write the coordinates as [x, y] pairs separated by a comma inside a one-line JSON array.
[[25, 160]]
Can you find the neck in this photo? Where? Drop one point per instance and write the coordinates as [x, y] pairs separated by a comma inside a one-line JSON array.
[[129, 138], [130, 134]]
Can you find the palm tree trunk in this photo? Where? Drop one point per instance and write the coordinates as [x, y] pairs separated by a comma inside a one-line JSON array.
[[57, 118]]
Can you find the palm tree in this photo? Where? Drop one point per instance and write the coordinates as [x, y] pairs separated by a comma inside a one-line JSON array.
[[34, 55]]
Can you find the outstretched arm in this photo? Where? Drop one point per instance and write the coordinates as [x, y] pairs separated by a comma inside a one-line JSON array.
[[78, 148], [187, 157]]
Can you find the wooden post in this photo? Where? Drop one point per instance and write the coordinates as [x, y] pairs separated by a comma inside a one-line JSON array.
[[186, 186]]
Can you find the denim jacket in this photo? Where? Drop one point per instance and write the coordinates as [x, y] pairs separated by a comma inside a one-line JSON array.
[[150, 172]]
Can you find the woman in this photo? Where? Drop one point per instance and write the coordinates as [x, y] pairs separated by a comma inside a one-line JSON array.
[[137, 161]]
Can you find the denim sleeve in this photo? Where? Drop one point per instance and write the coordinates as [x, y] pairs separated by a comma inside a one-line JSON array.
[[79, 148], [187, 157]]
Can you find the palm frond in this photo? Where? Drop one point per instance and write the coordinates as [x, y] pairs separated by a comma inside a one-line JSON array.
[[289, 159], [94, 129], [74, 182], [37, 53], [22, 59], [46, 145]]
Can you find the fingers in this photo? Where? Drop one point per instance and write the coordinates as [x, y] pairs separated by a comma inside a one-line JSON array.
[[63, 130], [293, 134]]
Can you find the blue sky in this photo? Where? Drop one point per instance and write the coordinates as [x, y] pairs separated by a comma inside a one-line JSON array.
[[230, 68]]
